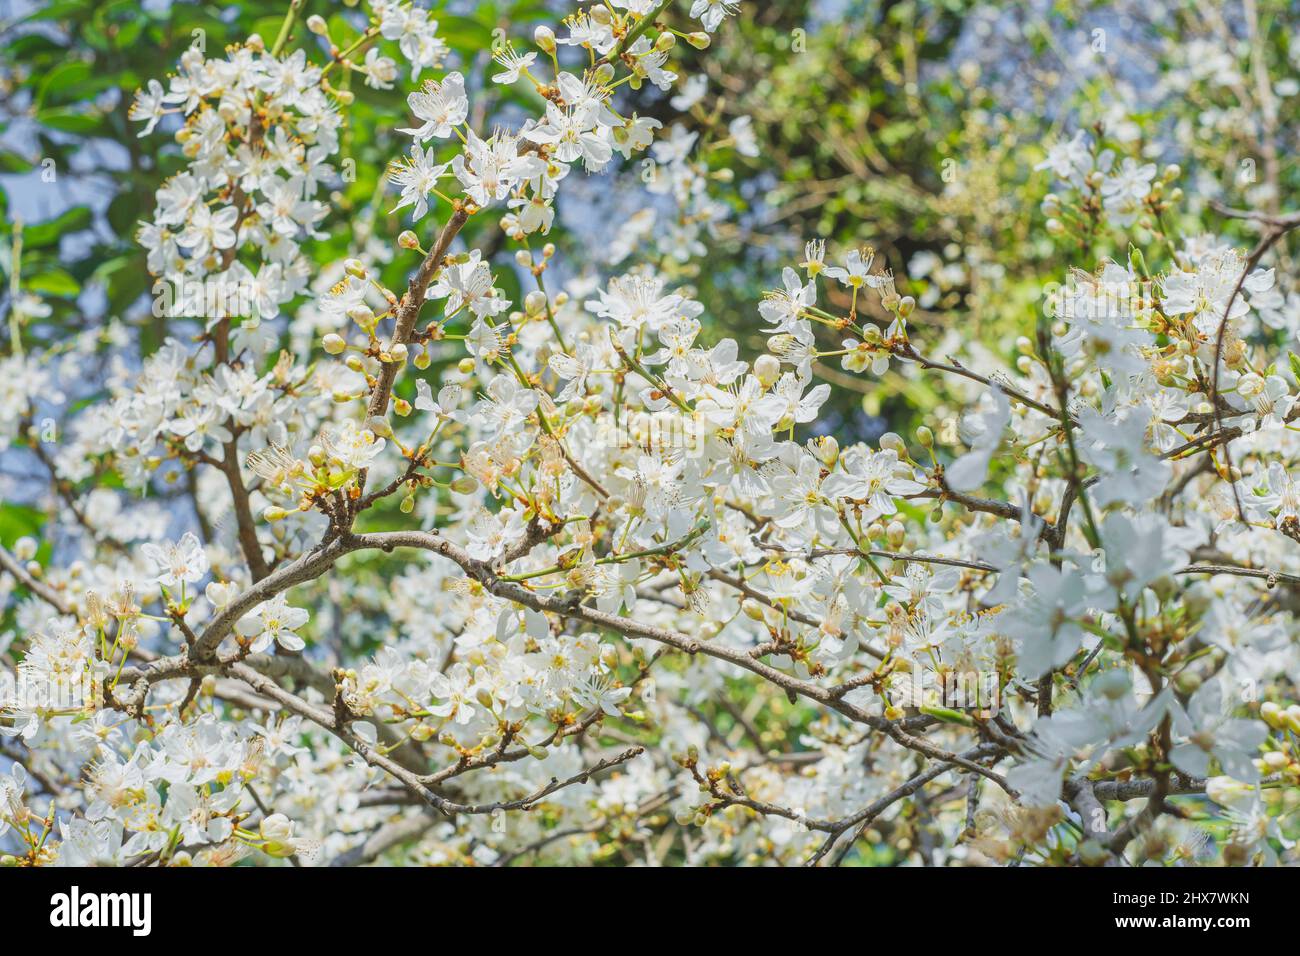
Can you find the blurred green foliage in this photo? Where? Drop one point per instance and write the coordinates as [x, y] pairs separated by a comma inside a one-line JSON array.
[[912, 126]]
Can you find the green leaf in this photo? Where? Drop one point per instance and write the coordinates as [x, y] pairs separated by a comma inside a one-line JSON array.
[[68, 121], [67, 76], [48, 233], [13, 163], [55, 282], [948, 716], [65, 10], [17, 521]]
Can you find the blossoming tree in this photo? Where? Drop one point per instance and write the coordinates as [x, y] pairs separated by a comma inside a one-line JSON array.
[[344, 572]]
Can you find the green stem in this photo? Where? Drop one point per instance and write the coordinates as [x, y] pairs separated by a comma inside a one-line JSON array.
[[295, 7], [15, 278]]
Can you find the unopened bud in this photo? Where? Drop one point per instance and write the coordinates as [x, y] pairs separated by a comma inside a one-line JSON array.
[[465, 485], [334, 343], [827, 449], [1272, 714], [535, 302], [767, 368], [1291, 717], [891, 442]]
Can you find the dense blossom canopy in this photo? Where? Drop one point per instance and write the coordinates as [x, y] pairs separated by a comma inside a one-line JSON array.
[[474, 579]]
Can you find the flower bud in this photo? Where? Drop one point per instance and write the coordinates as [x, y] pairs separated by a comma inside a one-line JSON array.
[[355, 267], [925, 437], [465, 366], [753, 609], [408, 240], [317, 25], [334, 343], [544, 37], [535, 302], [889, 441], [767, 368], [465, 485], [277, 831], [1291, 717], [895, 534], [827, 449], [25, 548], [700, 40], [1272, 714], [421, 732]]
